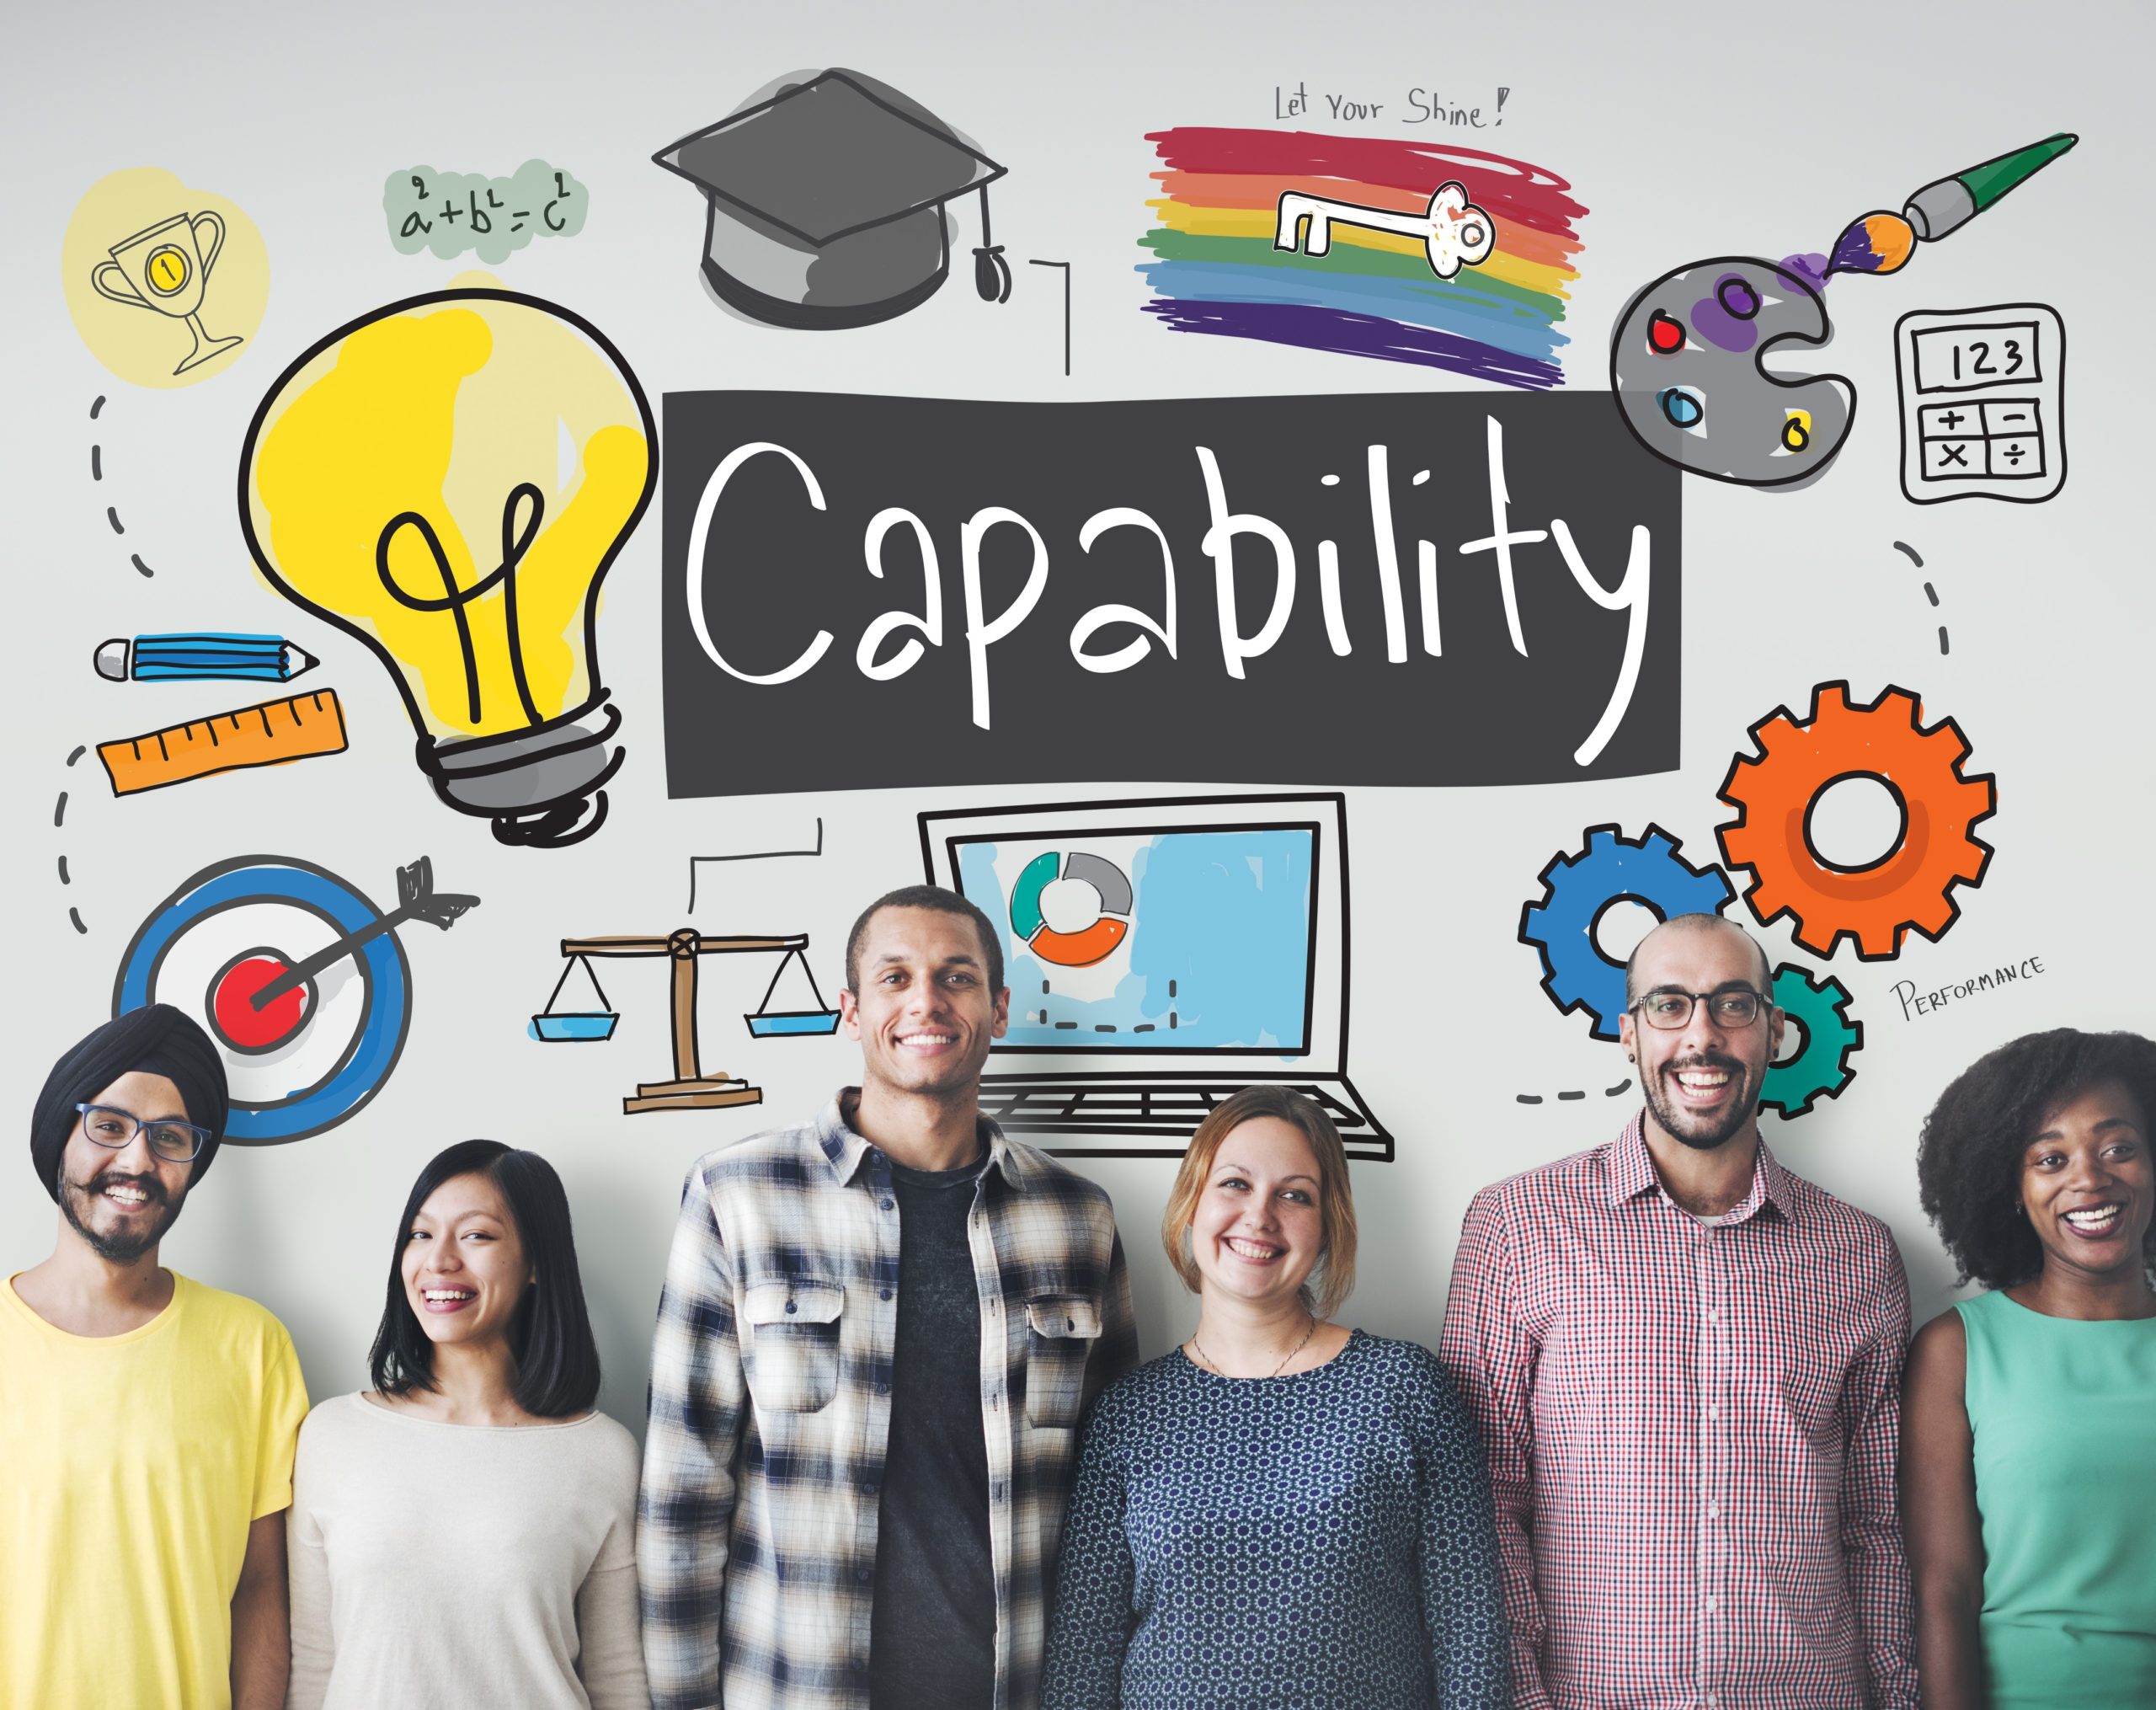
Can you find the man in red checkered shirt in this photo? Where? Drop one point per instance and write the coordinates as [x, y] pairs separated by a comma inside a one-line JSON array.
[[1686, 1361]]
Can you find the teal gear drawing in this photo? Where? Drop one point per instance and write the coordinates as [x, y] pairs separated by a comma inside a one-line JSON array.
[[1831, 1039], [1578, 888]]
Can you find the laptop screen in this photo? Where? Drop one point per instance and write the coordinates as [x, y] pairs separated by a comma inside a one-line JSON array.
[[1176, 939]]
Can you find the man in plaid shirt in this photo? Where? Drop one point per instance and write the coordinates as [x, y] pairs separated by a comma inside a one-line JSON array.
[[860, 1445], [1686, 1362]]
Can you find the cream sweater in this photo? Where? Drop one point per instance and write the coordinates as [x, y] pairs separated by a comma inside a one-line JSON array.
[[457, 1565]]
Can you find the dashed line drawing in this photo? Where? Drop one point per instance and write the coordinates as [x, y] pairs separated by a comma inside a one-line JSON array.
[[59, 809], [1930, 592], [1174, 1022], [97, 473], [1622, 1086]]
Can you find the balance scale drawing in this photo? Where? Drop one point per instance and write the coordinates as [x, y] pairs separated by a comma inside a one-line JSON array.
[[690, 1088], [300, 979]]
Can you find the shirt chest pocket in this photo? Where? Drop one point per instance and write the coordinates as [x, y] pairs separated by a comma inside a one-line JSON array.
[[792, 1343], [1060, 1331]]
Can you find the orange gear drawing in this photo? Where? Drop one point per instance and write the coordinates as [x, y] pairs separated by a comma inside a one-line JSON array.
[[1912, 884]]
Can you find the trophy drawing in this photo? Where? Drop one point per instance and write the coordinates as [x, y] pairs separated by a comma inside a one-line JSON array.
[[165, 268]]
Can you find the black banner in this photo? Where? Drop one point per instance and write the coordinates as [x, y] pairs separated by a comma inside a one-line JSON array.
[[1443, 588]]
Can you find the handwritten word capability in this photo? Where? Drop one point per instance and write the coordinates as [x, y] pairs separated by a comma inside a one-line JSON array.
[[447, 213], [1240, 589], [1915, 1002]]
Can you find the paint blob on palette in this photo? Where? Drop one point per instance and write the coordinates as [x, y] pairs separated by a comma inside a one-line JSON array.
[[1376, 286]]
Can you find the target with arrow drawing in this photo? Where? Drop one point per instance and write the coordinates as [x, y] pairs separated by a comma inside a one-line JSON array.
[[297, 977]]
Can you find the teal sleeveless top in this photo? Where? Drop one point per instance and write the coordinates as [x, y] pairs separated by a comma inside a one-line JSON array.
[[2064, 1415]]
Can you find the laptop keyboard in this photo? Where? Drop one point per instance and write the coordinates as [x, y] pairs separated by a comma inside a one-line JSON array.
[[1171, 1107]]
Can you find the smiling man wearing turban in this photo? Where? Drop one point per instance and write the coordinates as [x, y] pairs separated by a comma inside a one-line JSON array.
[[146, 1422]]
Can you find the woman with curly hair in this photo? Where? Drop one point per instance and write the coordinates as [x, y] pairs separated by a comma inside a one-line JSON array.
[[2029, 1422]]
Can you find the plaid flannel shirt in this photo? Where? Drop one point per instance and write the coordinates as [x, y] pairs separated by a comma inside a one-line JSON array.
[[1691, 1431], [770, 1409]]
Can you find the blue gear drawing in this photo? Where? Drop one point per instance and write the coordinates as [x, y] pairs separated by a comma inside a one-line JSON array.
[[1578, 888], [1831, 1039]]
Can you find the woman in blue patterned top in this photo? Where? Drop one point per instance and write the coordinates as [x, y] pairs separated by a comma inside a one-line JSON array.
[[1282, 1512]]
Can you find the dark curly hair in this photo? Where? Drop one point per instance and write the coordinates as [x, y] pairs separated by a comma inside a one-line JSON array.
[[1970, 1155]]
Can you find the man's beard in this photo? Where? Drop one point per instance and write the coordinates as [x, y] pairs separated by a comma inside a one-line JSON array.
[[119, 1248], [1681, 1126]]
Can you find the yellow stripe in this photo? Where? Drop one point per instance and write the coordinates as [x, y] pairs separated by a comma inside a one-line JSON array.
[[1260, 222]]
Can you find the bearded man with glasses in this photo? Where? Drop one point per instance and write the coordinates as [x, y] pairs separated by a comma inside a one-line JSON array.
[[1686, 1362], [146, 1422]]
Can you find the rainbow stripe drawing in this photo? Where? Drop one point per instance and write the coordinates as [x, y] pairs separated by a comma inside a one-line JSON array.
[[1448, 256]]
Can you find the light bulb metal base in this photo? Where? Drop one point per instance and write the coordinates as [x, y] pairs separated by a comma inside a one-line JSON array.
[[540, 786]]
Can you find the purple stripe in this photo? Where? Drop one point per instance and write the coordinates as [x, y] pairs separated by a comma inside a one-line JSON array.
[[1357, 336]]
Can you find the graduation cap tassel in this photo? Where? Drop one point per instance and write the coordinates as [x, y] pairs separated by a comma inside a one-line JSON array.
[[991, 272]]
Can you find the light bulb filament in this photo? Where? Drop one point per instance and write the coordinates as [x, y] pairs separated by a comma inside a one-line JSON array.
[[517, 542]]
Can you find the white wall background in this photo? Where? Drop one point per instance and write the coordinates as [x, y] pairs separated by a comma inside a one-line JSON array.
[[1687, 132]]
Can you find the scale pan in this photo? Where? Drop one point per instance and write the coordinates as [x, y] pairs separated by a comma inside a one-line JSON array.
[[783, 1024], [572, 1026]]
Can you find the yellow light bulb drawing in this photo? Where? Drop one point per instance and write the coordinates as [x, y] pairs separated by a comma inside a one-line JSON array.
[[449, 479]]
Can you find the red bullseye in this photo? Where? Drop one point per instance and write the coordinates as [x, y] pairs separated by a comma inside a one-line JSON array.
[[232, 1005]]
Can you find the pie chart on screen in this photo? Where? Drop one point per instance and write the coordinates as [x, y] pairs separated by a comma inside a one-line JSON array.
[[1072, 909]]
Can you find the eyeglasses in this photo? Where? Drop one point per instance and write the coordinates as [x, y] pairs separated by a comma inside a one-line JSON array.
[[1732, 1006], [175, 1142]]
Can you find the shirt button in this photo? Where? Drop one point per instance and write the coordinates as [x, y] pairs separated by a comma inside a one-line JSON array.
[[868, 1487], [1714, 1510], [884, 1294], [1711, 1606], [791, 1306], [1713, 1315], [1713, 1412], [863, 1576], [886, 1204], [883, 1389]]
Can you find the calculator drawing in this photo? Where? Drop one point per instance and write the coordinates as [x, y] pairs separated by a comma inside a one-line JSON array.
[[1982, 400]]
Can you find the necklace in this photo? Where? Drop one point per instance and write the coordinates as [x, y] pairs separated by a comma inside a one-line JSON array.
[[1278, 1370]]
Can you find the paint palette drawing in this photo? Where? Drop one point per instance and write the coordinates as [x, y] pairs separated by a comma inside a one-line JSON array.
[[1688, 367]]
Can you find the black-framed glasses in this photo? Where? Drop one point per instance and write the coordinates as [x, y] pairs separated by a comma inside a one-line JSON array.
[[1732, 1006], [175, 1142]]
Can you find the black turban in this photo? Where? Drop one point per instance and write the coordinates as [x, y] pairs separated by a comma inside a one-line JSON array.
[[155, 1040]]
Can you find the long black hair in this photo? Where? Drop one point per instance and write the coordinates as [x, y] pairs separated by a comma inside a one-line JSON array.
[[1970, 1154], [557, 1359]]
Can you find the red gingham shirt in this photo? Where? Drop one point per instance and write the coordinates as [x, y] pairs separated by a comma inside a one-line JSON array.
[[1691, 1433]]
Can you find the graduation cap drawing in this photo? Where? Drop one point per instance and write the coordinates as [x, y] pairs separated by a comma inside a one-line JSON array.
[[827, 204]]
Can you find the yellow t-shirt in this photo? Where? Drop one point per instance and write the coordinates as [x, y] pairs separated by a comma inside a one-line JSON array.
[[131, 1468]]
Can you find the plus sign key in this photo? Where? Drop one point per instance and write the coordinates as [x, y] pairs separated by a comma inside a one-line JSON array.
[[1953, 440]]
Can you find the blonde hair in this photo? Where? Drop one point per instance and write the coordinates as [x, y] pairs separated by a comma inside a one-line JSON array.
[[1334, 1279]]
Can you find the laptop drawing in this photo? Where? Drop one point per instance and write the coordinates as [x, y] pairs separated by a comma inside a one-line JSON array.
[[1161, 955]]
